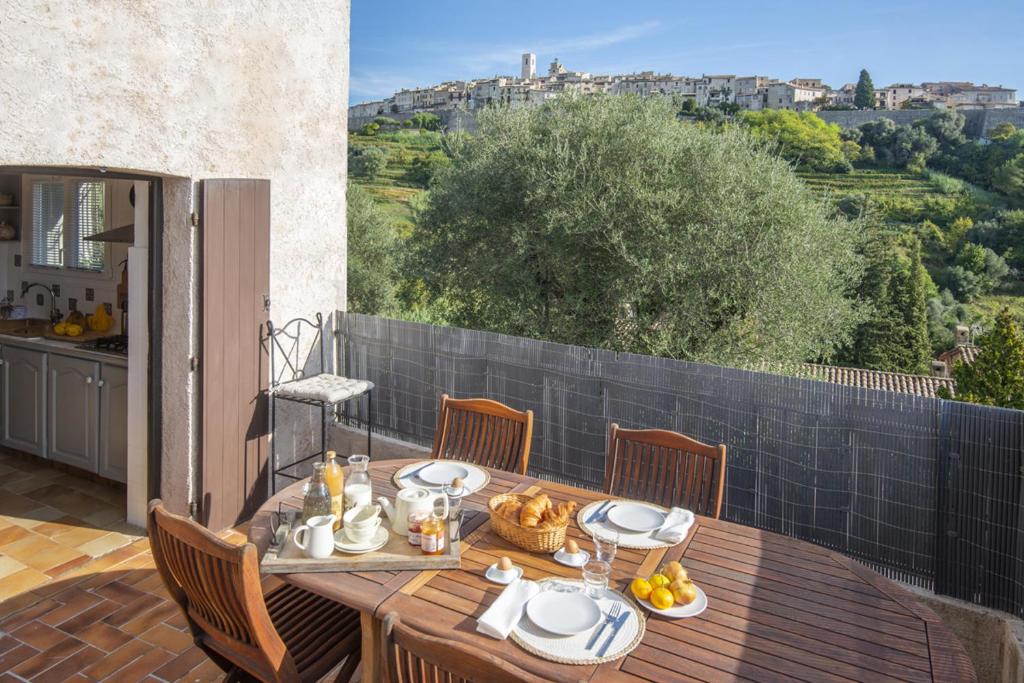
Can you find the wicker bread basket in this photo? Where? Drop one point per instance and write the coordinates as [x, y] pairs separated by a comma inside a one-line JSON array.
[[533, 540]]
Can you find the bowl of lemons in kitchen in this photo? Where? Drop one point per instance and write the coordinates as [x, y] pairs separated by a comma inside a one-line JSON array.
[[670, 592]]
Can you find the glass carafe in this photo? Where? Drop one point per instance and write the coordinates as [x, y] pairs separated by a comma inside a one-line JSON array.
[[317, 500], [358, 489]]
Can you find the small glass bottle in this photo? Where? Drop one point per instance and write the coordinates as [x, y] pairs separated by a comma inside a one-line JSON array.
[[455, 492], [358, 488], [415, 524], [334, 476], [434, 533], [317, 500]]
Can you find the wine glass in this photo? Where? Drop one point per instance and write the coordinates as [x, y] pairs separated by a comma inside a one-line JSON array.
[[606, 543]]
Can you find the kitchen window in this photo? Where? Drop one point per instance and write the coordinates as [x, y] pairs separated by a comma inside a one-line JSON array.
[[64, 212]]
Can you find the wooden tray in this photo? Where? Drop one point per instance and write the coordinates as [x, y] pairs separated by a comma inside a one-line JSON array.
[[397, 555]]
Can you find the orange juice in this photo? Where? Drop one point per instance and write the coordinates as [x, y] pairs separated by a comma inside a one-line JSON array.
[[334, 477]]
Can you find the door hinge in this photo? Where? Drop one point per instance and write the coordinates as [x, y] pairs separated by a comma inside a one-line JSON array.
[[193, 363], [266, 302], [195, 219]]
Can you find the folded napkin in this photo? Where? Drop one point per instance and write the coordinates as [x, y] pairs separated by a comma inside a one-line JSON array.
[[505, 612], [677, 523]]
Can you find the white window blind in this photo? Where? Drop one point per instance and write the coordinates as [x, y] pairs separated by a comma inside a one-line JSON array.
[[65, 211], [88, 212], [48, 223]]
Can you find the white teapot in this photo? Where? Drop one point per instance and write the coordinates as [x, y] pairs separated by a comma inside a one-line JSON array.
[[408, 501]]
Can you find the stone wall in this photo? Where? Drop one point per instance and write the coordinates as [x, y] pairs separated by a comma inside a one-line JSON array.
[[979, 121], [450, 119], [189, 89]]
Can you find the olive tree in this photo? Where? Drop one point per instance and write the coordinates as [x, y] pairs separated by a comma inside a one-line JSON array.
[[607, 222]]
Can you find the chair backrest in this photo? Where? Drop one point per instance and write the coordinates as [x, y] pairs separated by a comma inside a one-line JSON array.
[[665, 468], [413, 656], [217, 586], [293, 348], [483, 432]]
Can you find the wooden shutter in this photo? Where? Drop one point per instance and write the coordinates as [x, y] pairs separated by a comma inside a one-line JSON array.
[[235, 228]]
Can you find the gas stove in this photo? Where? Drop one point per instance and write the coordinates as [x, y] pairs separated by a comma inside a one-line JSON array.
[[117, 343]]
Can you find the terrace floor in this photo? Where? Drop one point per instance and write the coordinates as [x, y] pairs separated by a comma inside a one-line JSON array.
[[80, 598]]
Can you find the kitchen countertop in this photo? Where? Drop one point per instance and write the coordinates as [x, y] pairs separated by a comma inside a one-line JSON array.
[[63, 348]]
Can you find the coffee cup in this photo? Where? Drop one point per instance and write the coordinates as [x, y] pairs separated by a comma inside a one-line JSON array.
[[362, 533], [362, 517], [315, 538]]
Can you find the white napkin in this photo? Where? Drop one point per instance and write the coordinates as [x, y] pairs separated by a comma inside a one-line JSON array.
[[677, 523], [505, 612]]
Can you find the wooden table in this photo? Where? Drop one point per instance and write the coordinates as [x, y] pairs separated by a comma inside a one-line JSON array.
[[779, 609]]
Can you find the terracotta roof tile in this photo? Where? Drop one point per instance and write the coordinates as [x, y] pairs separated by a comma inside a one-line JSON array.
[[918, 385]]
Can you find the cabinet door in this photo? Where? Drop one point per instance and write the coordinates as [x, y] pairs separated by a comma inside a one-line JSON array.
[[114, 423], [73, 416], [24, 402]]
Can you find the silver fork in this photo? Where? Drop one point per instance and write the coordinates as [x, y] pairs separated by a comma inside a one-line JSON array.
[[613, 614]]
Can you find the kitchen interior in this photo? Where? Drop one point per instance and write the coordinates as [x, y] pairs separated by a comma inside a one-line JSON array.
[[66, 295]]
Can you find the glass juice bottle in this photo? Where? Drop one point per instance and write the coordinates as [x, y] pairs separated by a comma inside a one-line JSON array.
[[358, 489], [334, 477], [317, 500]]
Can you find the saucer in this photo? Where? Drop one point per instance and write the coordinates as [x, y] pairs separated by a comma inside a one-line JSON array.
[[577, 560], [346, 545], [492, 575]]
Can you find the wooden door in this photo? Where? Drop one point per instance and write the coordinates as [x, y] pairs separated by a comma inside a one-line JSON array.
[[235, 229], [114, 423], [24, 390], [72, 416]]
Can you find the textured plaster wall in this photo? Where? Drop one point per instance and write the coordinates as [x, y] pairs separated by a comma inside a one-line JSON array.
[[192, 89]]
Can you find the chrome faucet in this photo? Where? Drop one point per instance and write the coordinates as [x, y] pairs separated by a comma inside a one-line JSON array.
[[55, 314]]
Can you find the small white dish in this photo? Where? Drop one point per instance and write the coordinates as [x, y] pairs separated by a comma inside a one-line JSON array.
[[636, 517], [495, 575], [443, 473], [571, 560], [564, 614], [680, 611], [343, 543]]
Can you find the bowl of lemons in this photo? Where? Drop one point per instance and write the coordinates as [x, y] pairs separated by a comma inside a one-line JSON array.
[[670, 593]]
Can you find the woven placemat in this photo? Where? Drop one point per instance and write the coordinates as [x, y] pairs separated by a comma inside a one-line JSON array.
[[571, 649], [627, 539], [472, 482]]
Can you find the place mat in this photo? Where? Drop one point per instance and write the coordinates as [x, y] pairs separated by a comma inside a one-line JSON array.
[[627, 539], [477, 479], [571, 649]]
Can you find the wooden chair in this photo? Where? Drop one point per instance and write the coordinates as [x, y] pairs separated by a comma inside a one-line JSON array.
[[665, 468], [287, 635], [483, 432], [413, 656]]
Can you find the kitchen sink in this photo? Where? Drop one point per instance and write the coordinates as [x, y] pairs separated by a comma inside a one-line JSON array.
[[29, 328]]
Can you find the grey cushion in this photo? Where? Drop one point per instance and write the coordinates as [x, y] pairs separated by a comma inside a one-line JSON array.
[[324, 387]]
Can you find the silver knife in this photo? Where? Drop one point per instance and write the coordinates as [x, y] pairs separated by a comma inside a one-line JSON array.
[[604, 515], [597, 634], [415, 471], [593, 516], [619, 623]]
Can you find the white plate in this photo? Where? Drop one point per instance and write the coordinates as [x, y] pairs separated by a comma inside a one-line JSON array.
[[635, 517], [680, 611], [577, 560], [346, 545], [564, 614], [442, 473], [492, 575]]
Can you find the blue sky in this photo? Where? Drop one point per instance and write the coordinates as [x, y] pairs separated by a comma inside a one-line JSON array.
[[398, 43]]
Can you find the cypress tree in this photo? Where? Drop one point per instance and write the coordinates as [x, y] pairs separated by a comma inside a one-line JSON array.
[[864, 96]]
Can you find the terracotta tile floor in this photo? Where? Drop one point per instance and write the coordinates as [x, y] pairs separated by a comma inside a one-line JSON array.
[[80, 599]]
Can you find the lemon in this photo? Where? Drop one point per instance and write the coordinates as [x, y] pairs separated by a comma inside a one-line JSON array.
[[73, 330], [662, 598], [659, 580], [60, 328], [641, 588]]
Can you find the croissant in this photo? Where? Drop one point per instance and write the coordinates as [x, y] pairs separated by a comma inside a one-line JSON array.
[[557, 516], [530, 515], [509, 510]]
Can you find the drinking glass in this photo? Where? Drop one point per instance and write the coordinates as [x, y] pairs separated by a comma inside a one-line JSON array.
[[606, 543], [595, 578]]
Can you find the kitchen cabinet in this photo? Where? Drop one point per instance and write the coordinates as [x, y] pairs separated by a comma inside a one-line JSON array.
[[113, 460], [24, 399], [73, 411]]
